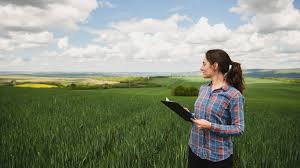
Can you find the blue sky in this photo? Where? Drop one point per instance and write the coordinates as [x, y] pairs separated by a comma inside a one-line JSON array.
[[135, 35], [216, 10]]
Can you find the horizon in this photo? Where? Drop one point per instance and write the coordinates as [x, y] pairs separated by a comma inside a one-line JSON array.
[[129, 71]]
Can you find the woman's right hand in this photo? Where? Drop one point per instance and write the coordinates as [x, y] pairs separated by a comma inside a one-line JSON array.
[[201, 123]]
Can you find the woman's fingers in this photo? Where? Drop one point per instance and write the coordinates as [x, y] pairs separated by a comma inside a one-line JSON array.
[[196, 122], [201, 123]]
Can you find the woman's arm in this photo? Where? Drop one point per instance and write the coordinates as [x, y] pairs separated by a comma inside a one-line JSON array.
[[237, 119]]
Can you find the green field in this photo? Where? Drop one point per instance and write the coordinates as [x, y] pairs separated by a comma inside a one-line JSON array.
[[129, 127]]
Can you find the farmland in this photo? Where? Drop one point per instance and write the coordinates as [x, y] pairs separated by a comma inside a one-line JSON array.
[[129, 127]]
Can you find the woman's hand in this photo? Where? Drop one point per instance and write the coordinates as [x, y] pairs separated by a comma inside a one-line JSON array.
[[201, 123]]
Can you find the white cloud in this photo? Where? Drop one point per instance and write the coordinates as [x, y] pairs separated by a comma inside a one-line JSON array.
[[57, 14], [165, 41], [35, 3], [203, 33], [63, 43], [26, 24], [146, 39], [22, 40], [161, 40], [150, 25], [89, 53], [261, 6], [269, 16], [5, 45], [287, 42], [285, 20]]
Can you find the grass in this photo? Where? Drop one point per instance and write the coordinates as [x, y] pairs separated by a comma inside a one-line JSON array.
[[129, 127], [121, 78]]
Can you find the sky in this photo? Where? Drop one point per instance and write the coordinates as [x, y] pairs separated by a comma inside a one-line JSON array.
[[146, 36]]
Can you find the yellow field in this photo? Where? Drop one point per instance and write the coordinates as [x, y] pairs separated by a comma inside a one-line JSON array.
[[36, 85]]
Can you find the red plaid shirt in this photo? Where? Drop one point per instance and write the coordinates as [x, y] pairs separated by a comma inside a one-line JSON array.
[[224, 108]]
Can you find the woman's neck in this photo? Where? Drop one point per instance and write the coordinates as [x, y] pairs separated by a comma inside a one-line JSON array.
[[217, 81]]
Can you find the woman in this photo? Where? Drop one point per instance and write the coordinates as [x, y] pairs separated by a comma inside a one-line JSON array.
[[219, 111]]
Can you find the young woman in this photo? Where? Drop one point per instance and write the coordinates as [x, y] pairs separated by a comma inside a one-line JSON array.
[[219, 111]]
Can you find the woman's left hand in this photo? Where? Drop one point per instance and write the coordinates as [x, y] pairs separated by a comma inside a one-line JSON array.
[[201, 123]]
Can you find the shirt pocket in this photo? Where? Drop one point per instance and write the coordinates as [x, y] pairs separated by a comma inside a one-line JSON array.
[[220, 109]]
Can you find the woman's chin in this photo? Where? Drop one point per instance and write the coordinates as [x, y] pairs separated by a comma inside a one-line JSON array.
[[205, 76]]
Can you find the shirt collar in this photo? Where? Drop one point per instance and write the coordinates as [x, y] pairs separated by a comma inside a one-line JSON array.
[[225, 87]]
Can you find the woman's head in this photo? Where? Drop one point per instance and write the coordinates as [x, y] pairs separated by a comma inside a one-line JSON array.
[[218, 61]]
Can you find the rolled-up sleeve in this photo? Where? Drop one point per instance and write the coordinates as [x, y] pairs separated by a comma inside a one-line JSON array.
[[236, 109]]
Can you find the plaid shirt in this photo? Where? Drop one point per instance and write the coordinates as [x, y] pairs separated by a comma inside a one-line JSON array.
[[224, 108]]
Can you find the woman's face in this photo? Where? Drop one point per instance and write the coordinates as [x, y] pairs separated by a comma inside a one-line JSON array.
[[207, 69]]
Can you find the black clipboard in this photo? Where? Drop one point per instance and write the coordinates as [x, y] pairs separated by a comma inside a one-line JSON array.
[[179, 110]]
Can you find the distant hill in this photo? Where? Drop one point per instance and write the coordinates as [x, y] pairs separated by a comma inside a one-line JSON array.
[[258, 73], [273, 73]]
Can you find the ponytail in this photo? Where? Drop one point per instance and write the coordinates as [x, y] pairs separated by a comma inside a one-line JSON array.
[[234, 76]]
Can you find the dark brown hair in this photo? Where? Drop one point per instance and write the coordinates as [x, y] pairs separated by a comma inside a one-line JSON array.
[[233, 76]]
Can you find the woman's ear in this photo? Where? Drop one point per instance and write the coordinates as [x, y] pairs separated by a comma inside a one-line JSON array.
[[215, 66]]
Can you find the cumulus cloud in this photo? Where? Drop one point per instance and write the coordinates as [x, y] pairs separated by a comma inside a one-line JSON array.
[[150, 25], [89, 53], [269, 16], [164, 40], [63, 43], [22, 40], [202, 32], [287, 42], [261, 6], [58, 14], [26, 24], [36, 3], [146, 39]]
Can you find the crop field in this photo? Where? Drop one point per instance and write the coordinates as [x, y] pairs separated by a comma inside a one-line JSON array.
[[36, 85], [129, 127]]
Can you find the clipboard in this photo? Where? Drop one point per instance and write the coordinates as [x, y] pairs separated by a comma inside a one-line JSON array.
[[179, 110]]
